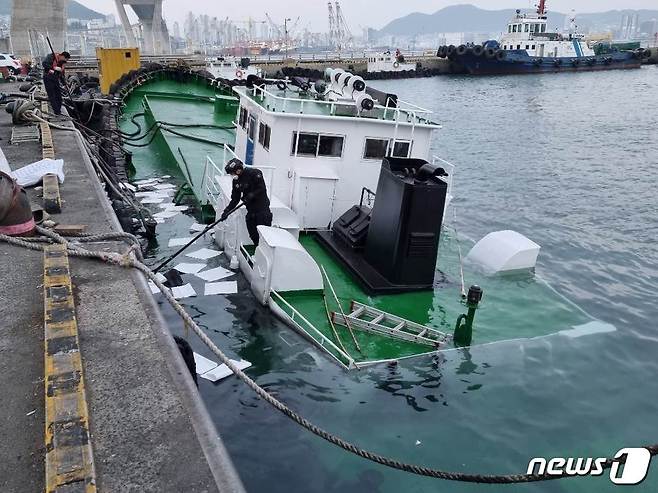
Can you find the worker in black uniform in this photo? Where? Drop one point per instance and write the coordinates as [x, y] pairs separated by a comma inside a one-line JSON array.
[[249, 186], [53, 76]]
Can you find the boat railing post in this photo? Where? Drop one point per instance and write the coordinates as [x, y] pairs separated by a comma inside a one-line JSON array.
[[203, 180]]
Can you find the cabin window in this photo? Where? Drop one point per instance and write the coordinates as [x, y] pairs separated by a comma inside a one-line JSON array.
[[527, 27], [514, 28], [307, 145], [375, 148], [533, 47], [543, 28], [532, 28], [330, 146], [509, 28], [252, 128], [527, 47], [401, 148], [518, 47], [318, 145], [244, 115], [264, 133]]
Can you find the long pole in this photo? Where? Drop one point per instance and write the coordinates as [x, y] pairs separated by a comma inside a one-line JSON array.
[[189, 243], [347, 322]]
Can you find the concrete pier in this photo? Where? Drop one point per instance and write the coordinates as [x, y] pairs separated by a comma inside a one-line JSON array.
[[149, 429]]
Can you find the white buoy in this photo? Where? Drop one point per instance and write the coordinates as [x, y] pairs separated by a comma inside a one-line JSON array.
[[504, 251]]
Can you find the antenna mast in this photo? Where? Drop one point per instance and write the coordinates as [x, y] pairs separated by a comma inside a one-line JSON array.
[[541, 8]]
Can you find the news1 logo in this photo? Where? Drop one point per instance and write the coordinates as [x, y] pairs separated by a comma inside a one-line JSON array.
[[629, 467]]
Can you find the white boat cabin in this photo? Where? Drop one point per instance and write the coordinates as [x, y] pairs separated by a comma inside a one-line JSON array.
[[230, 68], [317, 153], [528, 31], [387, 62]]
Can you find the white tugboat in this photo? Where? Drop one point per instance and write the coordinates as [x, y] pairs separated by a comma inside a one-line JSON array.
[[387, 62], [231, 68]]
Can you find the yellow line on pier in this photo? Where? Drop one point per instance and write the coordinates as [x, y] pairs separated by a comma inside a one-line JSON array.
[[69, 457]]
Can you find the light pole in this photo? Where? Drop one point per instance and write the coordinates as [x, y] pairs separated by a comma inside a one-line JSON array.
[[285, 30]]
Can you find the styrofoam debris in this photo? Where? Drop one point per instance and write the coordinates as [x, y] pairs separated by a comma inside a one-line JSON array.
[[164, 186], [153, 193], [170, 206], [204, 364], [224, 287], [151, 200], [153, 287], [215, 274], [128, 186], [197, 227], [147, 181], [204, 254], [189, 268], [590, 328], [33, 173], [185, 291], [223, 371], [174, 242], [167, 215]]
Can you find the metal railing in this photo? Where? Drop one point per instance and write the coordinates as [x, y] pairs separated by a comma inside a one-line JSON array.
[[450, 169], [285, 104]]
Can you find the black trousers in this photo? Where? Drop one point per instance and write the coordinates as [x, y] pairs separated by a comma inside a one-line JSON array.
[[255, 219], [54, 91]]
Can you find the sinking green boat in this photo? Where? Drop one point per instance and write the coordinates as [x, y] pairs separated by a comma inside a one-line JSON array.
[[364, 276]]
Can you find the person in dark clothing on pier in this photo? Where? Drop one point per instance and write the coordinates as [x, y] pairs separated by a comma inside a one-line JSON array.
[[249, 186], [53, 76]]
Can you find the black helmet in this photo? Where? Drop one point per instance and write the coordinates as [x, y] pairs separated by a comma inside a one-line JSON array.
[[233, 165]]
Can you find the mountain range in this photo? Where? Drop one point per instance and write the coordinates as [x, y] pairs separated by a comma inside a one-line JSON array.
[[468, 18], [75, 10]]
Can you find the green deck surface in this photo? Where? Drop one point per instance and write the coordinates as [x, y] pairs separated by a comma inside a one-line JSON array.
[[513, 307]]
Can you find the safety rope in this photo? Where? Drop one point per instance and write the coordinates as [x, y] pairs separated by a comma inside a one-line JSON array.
[[126, 260]]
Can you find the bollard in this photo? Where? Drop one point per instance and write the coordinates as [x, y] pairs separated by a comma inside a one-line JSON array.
[[464, 326]]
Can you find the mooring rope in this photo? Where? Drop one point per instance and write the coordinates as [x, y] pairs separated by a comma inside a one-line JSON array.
[[126, 260]]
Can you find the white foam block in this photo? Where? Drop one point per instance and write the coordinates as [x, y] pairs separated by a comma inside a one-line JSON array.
[[189, 268], [33, 173], [154, 288], [128, 186], [160, 277], [593, 327], [148, 181], [197, 227], [204, 254], [204, 364], [223, 371], [152, 200], [151, 194], [166, 215], [185, 291], [226, 287], [174, 242], [216, 274], [170, 206], [164, 186]]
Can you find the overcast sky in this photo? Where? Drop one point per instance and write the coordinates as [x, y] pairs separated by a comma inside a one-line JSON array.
[[359, 13]]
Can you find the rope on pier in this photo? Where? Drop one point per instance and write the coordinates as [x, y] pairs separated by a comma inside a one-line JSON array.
[[128, 260]]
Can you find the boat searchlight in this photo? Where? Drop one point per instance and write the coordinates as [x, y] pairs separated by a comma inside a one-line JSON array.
[[349, 86]]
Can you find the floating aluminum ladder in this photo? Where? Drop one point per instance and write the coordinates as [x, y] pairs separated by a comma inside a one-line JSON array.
[[369, 319]]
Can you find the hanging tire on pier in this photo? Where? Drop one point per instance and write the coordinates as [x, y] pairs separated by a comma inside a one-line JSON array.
[[451, 50], [557, 62], [442, 52], [575, 62]]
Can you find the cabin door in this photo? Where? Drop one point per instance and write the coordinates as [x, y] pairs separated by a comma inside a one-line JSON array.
[[251, 137], [313, 201], [541, 51]]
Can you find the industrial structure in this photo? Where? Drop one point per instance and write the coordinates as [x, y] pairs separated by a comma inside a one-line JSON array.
[[152, 29], [340, 36], [47, 17]]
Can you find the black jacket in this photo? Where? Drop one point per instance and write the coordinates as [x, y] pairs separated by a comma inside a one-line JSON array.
[[250, 188]]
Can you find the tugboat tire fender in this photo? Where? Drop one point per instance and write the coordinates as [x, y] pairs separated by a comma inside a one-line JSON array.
[[478, 50], [501, 55], [490, 53], [461, 50]]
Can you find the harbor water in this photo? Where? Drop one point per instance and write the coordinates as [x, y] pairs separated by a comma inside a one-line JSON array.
[[570, 161]]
